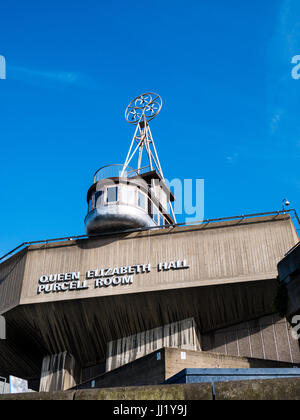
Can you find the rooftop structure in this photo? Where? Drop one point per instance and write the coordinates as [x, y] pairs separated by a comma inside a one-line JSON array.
[[123, 197]]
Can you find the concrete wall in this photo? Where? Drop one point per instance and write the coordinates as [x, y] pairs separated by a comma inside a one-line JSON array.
[[230, 279], [275, 390], [180, 334], [59, 373], [289, 272], [163, 364], [155, 393], [175, 362], [147, 370], [293, 288], [217, 253], [84, 327], [265, 338], [268, 337], [290, 264], [11, 280]]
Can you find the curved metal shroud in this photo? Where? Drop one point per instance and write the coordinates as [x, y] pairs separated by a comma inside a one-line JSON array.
[[115, 217]]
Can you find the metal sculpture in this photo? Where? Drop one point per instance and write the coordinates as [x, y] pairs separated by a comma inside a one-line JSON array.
[[130, 197], [147, 105], [139, 112]]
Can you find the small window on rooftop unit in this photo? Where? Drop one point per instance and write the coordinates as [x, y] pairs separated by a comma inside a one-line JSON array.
[[128, 195], [92, 202], [90, 205], [155, 215], [98, 195], [141, 200], [112, 194]]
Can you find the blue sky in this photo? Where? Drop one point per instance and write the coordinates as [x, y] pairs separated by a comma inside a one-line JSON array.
[[223, 68]]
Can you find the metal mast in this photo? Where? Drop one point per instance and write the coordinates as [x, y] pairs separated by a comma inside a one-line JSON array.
[[140, 112]]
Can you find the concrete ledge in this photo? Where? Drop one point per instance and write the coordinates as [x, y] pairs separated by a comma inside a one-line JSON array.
[[271, 389], [158, 393], [40, 396], [277, 389]]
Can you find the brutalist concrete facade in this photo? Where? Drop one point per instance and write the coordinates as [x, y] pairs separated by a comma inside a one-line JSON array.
[[77, 296]]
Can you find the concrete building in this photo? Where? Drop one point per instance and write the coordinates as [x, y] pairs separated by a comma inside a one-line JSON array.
[[120, 305], [88, 306], [289, 276]]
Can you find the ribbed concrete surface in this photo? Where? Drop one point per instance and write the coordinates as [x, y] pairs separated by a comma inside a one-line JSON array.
[[280, 389]]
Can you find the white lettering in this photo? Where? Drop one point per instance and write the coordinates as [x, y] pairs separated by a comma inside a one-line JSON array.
[[41, 289], [52, 278], [146, 268], [115, 271], [132, 411], [296, 69], [2, 67], [44, 279], [90, 274], [113, 281], [130, 270], [48, 288], [76, 275], [108, 272], [172, 265], [198, 198], [63, 282], [127, 280], [64, 287], [116, 281], [107, 282], [98, 283], [296, 328]]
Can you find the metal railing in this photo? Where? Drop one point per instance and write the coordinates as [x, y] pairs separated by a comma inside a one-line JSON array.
[[199, 222], [115, 171]]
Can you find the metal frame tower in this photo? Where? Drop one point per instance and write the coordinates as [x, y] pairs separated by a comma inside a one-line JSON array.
[[140, 112]]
